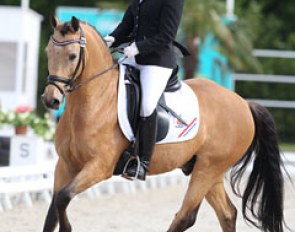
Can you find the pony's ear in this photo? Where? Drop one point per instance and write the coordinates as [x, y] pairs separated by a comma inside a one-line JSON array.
[[75, 23], [54, 21]]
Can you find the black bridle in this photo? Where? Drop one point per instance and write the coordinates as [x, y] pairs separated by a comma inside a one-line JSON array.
[[70, 82]]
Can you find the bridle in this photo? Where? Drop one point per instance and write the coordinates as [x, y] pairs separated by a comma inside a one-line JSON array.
[[70, 82]]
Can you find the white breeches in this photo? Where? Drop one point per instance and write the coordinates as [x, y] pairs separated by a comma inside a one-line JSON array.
[[153, 81]]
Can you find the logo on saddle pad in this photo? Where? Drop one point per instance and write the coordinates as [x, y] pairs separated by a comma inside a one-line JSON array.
[[188, 128], [178, 111]]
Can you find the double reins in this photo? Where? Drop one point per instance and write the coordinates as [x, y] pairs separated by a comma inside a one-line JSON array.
[[70, 82]]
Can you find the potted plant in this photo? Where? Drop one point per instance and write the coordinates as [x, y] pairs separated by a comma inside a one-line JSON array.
[[23, 117], [20, 118]]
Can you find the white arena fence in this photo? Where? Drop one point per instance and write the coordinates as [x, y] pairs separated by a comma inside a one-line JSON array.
[[28, 174], [283, 79], [26, 184], [20, 183]]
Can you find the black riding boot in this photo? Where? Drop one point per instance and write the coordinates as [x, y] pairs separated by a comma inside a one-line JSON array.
[[144, 146]]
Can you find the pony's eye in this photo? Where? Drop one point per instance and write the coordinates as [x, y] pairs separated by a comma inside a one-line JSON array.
[[72, 56]]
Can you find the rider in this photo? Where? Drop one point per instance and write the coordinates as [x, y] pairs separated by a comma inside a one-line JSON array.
[[151, 25]]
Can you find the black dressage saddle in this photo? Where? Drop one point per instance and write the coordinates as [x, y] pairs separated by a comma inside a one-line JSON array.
[[133, 93]]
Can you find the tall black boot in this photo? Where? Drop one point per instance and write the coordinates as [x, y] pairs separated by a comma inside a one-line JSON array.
[[144, 146]]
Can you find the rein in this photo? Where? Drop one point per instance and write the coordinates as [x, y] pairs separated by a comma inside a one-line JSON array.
[[79, 85], [52, 79]]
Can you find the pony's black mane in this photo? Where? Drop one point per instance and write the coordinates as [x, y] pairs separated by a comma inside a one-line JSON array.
[[67, 28], [67, 25]]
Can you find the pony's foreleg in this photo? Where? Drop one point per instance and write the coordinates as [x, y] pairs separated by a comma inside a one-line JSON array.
[[92, 173], [201, 181], [61, 178], [224, 209]]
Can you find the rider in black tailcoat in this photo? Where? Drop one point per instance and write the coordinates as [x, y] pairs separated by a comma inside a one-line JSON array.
[[151, 27]]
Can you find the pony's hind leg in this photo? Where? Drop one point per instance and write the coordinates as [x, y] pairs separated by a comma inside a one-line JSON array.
[[224, 209], [201, 182]]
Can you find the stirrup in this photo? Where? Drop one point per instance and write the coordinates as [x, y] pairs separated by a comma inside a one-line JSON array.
[[125, 174]]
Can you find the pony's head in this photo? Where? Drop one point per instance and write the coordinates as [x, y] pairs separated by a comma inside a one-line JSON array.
[[65, 52]]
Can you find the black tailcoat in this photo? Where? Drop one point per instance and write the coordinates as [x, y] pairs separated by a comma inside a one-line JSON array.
[[153, 25]]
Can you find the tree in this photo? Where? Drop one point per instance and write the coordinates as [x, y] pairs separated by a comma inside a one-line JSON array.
[[207, 16], [277, 20], [200, 18], [272, 22]]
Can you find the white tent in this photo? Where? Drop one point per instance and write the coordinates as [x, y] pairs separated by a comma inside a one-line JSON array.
[[19, 52]]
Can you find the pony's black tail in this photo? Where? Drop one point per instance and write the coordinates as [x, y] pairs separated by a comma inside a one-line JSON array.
[[263, 195]]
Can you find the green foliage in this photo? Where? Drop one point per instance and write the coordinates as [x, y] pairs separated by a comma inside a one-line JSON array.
[[43, 126], [25, 116], [207, 16], [273, 24], [272, 21], [287, 146], [21, 116], [277, 22], [240, 52], [16, 119], [121, 5], [199, 17], [11, 2], [285, 124]]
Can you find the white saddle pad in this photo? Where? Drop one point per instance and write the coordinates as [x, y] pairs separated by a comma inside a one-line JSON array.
[[183, 102]]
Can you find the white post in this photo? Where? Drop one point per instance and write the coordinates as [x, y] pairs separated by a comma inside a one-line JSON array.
[[20, 74], [230, 8], [25, 4]]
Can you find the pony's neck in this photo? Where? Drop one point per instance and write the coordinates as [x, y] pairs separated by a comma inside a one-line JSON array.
[[100, 93]]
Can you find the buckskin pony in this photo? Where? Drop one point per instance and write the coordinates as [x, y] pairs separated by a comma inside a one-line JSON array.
[[89, 142]]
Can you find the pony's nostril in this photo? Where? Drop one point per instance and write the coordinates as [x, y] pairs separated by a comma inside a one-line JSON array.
[[54, 103]]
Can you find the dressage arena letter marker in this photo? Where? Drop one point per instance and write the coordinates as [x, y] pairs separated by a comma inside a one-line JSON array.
[[24, 148], [26, 151]]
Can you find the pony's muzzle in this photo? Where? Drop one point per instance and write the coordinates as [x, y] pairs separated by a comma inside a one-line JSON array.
[[51, 103]]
